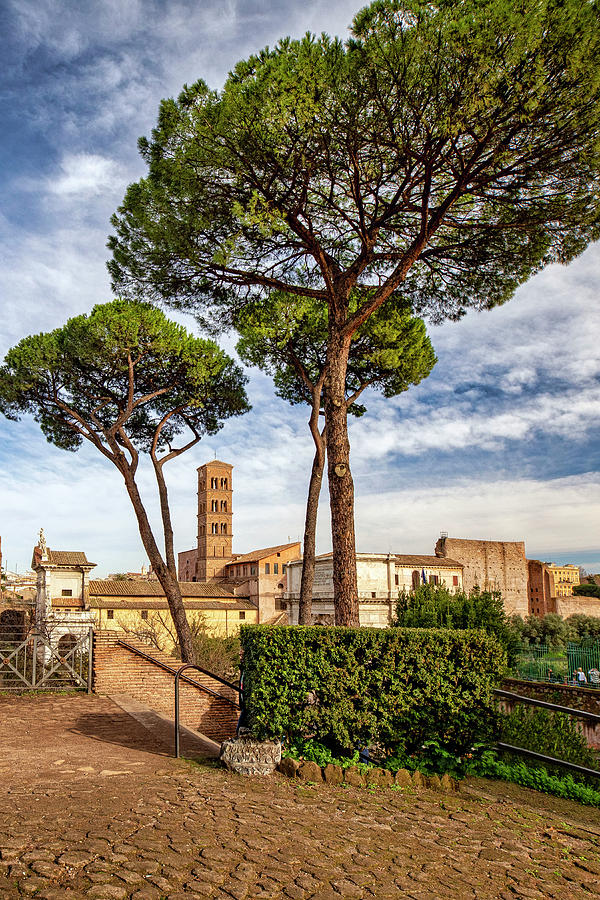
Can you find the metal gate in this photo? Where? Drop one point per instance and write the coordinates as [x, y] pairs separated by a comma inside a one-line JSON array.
[[43, 662]]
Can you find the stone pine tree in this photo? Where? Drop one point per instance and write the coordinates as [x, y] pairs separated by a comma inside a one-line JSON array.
[[286, 336], [443, 154], [129, 381]]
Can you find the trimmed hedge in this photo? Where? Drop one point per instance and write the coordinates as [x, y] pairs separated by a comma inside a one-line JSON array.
[[390, 688]]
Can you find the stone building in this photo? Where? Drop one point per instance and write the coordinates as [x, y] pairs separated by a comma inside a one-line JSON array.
[[68, 602], [62, 597], [260, 573], [380, 578], [551, 591], [491, 565]]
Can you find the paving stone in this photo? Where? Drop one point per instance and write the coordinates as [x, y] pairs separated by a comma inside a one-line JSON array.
[[107, 892]]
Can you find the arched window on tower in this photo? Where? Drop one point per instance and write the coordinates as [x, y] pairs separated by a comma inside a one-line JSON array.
[[223, 505], [215, 506], [215, 528], [223, 484], [223, 529]]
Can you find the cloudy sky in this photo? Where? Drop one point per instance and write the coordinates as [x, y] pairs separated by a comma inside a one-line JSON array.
[[501, 442]]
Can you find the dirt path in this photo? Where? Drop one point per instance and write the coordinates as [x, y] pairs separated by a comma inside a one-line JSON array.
[[91, 808]]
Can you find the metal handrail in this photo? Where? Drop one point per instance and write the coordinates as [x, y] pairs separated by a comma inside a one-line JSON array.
[[519, 698], [509, 695], [177, 677], [549, 759], [172, 671]]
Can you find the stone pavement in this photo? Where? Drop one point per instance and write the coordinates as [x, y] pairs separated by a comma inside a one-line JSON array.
[[92, 806]]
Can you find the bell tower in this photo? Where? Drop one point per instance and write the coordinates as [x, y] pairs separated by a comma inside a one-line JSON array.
[[215, 518]]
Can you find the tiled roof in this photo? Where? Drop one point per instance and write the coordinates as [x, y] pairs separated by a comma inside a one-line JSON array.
[[256, 555], [236, 603], [153, 589], [433, 562], [68, 558]]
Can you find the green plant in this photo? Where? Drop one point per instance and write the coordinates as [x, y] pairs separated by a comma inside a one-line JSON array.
[[434, 606], [541, 780], [544, 731], [394, 689]]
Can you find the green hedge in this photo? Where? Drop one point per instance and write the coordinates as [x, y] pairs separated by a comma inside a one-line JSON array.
[[390, 688]]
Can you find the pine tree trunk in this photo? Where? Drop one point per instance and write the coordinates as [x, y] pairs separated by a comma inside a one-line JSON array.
[[310, 529], [168, 580], [341, 485]]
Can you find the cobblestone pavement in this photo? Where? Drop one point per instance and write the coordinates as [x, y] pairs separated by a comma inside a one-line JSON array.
[[90, 809]]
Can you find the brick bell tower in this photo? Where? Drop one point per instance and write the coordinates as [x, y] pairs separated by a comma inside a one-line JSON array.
[[215, 518]]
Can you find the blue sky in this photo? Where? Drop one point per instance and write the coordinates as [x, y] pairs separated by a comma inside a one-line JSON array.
[[501, 442]]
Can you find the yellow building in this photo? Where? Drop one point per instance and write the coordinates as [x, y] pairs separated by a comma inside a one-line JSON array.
[[564, 577], [140, 608]]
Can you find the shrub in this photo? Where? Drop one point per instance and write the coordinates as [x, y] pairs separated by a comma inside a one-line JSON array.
[[393, 689], [434, 606]]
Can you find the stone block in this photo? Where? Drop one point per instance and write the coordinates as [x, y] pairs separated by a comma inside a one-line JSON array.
[[354, 776], [386, 779], [418, 779], [434, 783], [289, 767], [333, 774], [448, 783], [246, 756], [402, 778], [310, 771]]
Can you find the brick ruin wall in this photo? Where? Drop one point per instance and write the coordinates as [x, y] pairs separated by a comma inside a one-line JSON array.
[[492, 565], [578, 605], [117, 670]]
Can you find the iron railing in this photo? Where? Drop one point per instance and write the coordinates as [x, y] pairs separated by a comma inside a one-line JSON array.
[[178, 675], [551, 760]]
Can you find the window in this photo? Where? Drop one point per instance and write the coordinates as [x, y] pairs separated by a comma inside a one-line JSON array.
[[110, 613], [245, 570], [279, 554], [215, 506], [66, 592], [253, 570], [223, 505], [434, 579], [242, 615], [215, 528], [223, 529], [373, 594], [396, 579], [267, 569], [276, 568], [283, 569], [455, 580], [144, 614]]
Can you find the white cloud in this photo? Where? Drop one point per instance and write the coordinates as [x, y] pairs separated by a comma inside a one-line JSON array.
[[551, 516], [85, 174]]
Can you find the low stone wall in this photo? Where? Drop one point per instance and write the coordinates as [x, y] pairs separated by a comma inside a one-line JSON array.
[[373, 777], [117, 670], [587, 699]]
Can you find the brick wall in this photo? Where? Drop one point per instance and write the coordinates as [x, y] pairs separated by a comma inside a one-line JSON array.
[[117, 670], [492, 565]]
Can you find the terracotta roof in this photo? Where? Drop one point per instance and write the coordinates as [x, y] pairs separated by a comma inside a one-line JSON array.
[[59, 558], [124, 588], [433, 562], [256, 555], [135, 603]]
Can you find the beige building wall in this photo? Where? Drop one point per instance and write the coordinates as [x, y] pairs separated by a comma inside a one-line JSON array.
[[380, 578]]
